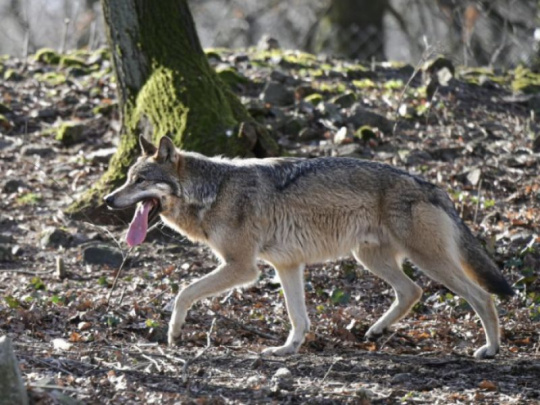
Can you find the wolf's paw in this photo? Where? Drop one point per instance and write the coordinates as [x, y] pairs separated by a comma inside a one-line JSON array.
[[173, 336], [373, 334], [279, 351], [486, 352]]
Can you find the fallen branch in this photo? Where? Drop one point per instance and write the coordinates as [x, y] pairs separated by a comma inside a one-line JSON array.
[[248, 329], [201, 352]]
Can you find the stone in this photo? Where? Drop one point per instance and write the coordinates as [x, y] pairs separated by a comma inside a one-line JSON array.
[[102, 255], [283, 378], [277, 94], [342, 136], [309, 134], [267, 43], [350, 150], [13, 185], [401, 378], [345, 100], [294, 125], [359, 116], [12, 386], [101, 155], [6, 254], [55, 237], [43, 151], [70, 133], [416, 157]]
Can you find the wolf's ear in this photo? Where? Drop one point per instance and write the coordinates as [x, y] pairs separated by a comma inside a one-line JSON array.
[[166, 150], [147, 147]]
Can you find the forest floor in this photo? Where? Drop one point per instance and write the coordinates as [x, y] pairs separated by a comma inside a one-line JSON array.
[[82, 338]]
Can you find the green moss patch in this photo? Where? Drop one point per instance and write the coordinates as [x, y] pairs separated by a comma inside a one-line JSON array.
[[525, 81], [69, 133]]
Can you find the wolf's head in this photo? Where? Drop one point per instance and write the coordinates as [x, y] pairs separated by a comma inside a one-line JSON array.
[[152, 182]]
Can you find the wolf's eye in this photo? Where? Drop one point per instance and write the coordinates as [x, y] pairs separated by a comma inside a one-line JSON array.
[[139, 180]]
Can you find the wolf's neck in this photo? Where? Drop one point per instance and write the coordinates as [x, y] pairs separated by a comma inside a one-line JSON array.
[[202, 179]]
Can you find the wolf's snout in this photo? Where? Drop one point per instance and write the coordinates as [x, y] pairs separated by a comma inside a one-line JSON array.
[[109, 200]]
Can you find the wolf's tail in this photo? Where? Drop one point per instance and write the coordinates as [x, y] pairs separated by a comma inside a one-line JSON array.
[[479, 266]]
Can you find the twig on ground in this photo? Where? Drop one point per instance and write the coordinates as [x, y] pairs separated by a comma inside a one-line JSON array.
[[425, 56], [478, 195], [248, 329], [29, 272], [201, 352], [117, 276], [387, 340], [330, 369]]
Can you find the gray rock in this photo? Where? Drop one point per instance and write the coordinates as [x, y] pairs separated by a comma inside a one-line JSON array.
[[101, 155], [345, 100], [42, 151], [268, 43], [418, 156], [103, 255], [294, 125], [401, 378], [350, 150], [536, 144], [5, 253], [309, 134], [5, 143], [342, 136], [283, 379], [6, 238], [11, 384], [277, 94], [55, 237], [13, 185], [328, 109], [359, 117]]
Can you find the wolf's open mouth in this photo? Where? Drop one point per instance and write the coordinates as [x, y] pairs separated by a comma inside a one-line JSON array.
[[147, 211]]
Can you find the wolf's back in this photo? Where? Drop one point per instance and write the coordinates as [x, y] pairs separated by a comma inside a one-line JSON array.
[[479, 266]]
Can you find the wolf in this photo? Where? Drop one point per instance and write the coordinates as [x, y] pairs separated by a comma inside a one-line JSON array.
[[290, 212]]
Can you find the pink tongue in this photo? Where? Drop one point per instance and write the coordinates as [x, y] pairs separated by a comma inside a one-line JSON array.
[[139, 224]]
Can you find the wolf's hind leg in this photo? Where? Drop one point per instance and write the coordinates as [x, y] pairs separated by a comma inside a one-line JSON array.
[[292, 281], [384, 263], [447, 272], [225, 277]]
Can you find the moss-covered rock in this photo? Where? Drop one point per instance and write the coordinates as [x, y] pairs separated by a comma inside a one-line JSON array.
[[4, 109], [314, 98], [231, 77], [365, 133], [105, 109], [72, 61], [11, 75], [48, 56], [344, 100], [525, 81], [51, 78], [70, 133], [5, 123]]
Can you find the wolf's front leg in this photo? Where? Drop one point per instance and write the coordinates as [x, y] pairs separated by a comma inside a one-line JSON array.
[[292, 281], [225, 277]]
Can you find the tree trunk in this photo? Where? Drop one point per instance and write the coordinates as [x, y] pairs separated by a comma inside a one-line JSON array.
[[352, 29], [165, 83]]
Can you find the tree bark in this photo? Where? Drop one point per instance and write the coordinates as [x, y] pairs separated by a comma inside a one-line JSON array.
[[165, 83]]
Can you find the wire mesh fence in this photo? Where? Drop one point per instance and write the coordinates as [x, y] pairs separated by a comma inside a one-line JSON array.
[[499, 33]]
